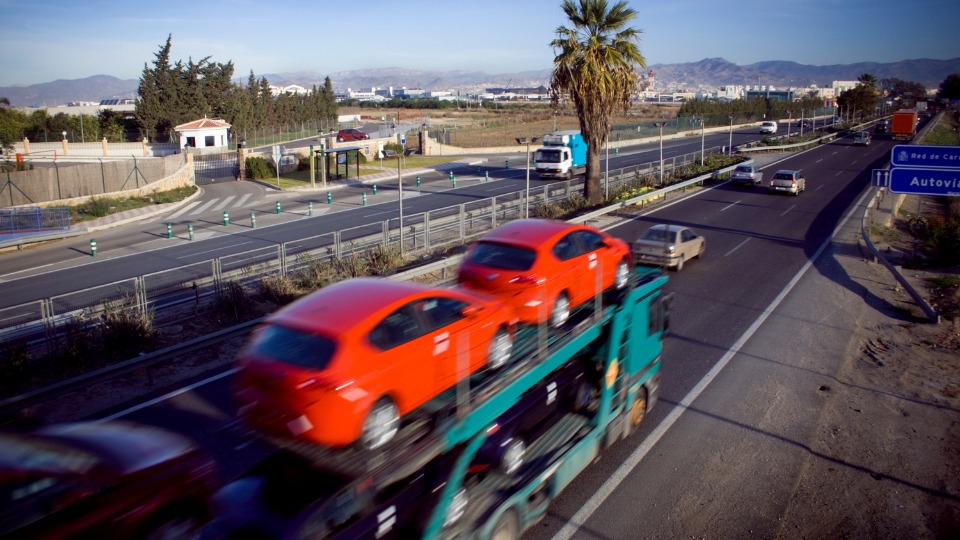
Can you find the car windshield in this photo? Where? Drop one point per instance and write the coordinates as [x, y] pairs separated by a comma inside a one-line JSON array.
[[293, 347], [502, 256], [549, 156], [657, 235]]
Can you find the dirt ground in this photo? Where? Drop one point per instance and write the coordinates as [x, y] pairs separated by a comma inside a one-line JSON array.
[[897, 416]]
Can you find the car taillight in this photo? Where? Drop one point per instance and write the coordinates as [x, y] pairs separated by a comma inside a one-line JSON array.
[[793, 182], [669, 250]]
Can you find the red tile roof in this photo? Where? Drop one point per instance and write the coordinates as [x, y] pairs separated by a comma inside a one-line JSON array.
[[203, 123]]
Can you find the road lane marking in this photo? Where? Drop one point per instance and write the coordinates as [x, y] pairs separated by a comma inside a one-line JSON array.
[[785, 212], [738, 246], [167, 396], [243, 200], [730, 206], [204, 207], [212, 250], [224, 203], [183, 210], [579, 519]]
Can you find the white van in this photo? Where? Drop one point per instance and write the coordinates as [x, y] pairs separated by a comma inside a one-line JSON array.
[[768, 127]]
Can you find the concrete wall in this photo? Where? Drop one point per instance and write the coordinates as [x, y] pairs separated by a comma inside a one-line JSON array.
[[61, 149]]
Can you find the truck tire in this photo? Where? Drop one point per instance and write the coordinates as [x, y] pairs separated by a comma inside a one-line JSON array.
[[507, 527], [636, 412]]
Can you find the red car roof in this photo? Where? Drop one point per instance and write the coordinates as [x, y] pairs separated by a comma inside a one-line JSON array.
[[531, 233], [341, 307]]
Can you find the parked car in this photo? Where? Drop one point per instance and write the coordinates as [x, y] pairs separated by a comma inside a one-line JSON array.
[[344, 363], [768, 127], [668, 245], [351, 135], [545, 268], [788, 181], [102, 480], [747, 174], [861, 138]]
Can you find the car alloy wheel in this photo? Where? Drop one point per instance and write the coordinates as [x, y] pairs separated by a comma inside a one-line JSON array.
[[381, 425], [622, 276], [501, 348], [560, 312], [513, 455]]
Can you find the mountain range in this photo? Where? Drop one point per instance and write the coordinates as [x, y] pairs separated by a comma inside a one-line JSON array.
[[704, 75]]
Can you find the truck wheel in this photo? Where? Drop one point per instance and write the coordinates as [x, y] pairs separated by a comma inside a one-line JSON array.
[[381, 424], [507, 527], [638, 409], [561, 311], [501, 348]]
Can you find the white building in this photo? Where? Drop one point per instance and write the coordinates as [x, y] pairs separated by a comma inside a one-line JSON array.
[[204, 133]]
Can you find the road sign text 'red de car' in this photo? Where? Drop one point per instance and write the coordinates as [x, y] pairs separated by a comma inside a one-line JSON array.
[[941, 157], [925, 181]]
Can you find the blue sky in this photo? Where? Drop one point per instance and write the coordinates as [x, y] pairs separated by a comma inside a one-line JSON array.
[[46, 40]]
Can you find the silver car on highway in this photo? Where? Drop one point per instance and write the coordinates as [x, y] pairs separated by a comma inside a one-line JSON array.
[[668, 245]]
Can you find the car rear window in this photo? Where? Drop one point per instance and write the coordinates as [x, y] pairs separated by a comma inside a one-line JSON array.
[[502, 256], [744, 169], [657, 235], [782, 176], [294, 347]]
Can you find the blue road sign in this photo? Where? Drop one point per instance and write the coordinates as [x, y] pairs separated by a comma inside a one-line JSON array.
[[881, 177], [925, 181], [908, 155]]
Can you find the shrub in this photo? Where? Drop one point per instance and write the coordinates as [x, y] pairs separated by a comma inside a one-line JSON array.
[[277, 289], [233, 301], [125, 326], [96, 206], [383, 260], [259, 168]]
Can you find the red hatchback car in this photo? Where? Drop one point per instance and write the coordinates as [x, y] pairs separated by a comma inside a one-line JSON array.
[[545, 268], [346, 362]]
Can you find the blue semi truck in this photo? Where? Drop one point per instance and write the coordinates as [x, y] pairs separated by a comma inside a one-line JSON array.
[[474, 467], [563, 155]]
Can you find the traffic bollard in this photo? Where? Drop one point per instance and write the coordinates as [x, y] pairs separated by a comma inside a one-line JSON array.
[[451, 176], [310, 208], [486, 176], [364, 198], [454, 182], [169, 230], [190, 230], [93, 247], [418, 180], [278, 207], [616, 151], [253, 220], [506, 164], [329, 197], [226, 218], [374, 189]]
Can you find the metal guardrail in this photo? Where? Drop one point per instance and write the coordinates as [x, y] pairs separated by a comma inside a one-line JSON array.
[[439, 228]]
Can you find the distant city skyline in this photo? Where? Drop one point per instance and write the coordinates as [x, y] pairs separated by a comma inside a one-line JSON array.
[[49, 40]]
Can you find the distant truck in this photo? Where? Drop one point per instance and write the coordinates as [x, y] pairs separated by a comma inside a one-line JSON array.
[[904, 125], [563, 155]]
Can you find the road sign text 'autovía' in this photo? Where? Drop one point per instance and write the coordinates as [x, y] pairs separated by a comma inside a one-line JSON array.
[[925, 181]]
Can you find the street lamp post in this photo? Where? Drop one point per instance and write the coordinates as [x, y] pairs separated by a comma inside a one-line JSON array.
[[789, 121], [526, 199], [660, 125], [400, 188], [730, 145], [703, 133]]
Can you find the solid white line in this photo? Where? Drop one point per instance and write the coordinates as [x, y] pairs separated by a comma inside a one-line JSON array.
[[165, 397], [738, 246], [594, 502], [729, 206]]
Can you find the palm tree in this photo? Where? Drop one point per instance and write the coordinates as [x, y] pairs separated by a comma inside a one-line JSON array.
[[595, 65]]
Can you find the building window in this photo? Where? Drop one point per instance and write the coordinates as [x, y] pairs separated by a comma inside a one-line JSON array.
[[191, 142], [210, 140]]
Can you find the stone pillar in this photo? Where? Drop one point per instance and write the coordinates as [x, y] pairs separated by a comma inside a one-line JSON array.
[[103, 145], [26, 146]]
